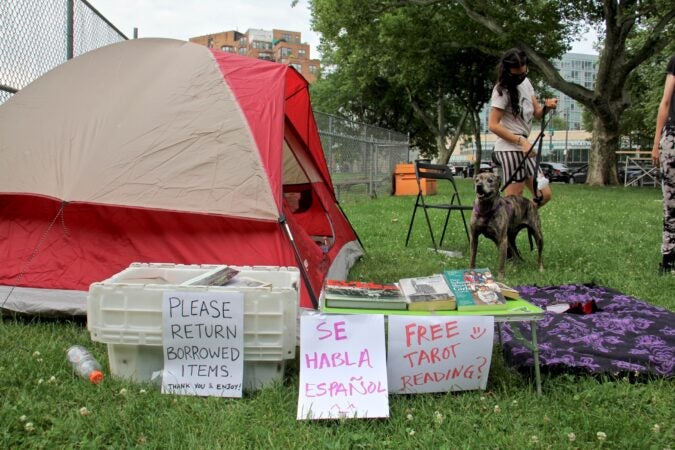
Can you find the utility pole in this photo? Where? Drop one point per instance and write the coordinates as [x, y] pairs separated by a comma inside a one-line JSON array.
[[567, 128]]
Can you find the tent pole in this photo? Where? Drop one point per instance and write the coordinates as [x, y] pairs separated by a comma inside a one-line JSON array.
[[301, 266]]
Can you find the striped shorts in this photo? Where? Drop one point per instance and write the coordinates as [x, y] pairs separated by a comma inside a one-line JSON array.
[[510, 161]]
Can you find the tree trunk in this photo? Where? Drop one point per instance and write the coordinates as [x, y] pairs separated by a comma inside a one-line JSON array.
[[440, 124], [602, 169], [445, 153], [475, 121]]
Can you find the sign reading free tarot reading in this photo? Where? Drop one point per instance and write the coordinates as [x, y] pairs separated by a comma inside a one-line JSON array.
[[343, 367], [439, 353], [203, 336]]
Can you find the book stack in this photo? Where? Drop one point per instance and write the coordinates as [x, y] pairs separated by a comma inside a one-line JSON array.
[[430, 293], [363, 295], [475, 290], [463, 290]]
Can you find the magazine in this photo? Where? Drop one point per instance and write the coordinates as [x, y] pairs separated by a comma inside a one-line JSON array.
[[475, 290]]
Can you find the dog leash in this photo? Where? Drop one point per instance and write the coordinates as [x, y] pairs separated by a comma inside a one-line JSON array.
[[537, 159], [538, 141]]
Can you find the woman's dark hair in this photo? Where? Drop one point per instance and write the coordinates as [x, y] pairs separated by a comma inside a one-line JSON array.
[[513, 58]]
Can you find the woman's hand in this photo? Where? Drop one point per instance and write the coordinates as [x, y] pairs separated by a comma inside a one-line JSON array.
[[655, 155], [525, 147], [551, 103]]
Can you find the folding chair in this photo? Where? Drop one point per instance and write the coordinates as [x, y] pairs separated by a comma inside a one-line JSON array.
[[425, 170]]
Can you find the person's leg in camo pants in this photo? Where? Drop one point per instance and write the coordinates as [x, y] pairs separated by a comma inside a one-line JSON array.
[[667, 163]]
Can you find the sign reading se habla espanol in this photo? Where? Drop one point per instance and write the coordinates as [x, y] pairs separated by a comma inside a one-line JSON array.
[[343, 367]]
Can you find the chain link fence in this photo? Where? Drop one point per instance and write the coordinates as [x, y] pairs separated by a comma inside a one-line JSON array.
[[361, 158], [38, 35]]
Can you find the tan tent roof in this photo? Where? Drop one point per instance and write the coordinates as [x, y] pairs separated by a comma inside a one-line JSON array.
[[150, 123]]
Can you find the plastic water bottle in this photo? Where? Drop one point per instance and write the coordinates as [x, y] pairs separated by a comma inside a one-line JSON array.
[[84, 364]]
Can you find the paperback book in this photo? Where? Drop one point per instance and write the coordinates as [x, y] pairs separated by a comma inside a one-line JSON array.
[[430, 293], [475, 290], [509, 292], [362, 295]]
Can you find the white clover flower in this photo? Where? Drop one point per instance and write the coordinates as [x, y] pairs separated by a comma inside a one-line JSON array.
[[482, 399], [36, 354], [40, 381], [39, 360], [572, 437], [84, 411], [601, 436], [411, 432], [656, 428], [142, 391], [497, 409], [23, 418], [123, 391], [534, 439], [29, 426], [409, 417], [439, 418], [52, 380], [514, 403]]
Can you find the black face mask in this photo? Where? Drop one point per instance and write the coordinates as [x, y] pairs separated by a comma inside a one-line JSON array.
[[516, 78]]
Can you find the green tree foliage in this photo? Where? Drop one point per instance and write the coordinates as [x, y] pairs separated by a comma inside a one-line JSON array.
[[645, 89], [413, 68]]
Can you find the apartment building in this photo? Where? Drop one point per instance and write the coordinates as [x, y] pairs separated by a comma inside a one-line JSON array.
[[580, 69], [281, 46]]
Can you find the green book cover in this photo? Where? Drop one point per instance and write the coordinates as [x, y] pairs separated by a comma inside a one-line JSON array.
[[475, 289]]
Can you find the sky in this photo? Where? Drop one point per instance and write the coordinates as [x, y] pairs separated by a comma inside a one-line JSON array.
[[182, 19]]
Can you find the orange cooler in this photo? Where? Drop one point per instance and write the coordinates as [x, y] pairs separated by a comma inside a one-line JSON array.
[[406, 182]]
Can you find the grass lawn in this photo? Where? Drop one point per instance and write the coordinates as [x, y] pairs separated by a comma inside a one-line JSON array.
[[607, 236]]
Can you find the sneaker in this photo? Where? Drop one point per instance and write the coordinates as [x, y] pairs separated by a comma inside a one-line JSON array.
[[667, 267]]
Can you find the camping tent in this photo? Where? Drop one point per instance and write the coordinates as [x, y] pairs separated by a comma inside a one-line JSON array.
[[159, 150]]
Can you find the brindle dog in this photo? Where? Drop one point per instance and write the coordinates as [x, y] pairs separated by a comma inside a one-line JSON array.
[[500, 219]]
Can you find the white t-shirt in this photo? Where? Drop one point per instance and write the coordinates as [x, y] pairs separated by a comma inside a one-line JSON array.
[[521, 124]]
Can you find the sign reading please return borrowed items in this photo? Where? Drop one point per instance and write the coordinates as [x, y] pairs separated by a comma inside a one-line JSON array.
[[439, 354], [203, 337], [342, 367]]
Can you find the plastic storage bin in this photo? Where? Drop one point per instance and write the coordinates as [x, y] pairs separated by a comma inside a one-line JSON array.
[[125, 312]]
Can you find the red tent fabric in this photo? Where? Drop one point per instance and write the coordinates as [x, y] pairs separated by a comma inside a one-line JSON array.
[[167, 151]]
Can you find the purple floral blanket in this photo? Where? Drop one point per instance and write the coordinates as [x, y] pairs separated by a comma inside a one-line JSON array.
[[625, 335]]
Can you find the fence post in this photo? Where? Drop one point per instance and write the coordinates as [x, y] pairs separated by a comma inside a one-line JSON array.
[[70, 19], [331, 162]]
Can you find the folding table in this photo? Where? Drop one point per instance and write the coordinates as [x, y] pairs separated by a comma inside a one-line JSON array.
[[518, 311]]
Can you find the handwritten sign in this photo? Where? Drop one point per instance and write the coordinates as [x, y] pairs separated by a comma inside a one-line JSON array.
[[439, 354], [203, 336], [343, 367]]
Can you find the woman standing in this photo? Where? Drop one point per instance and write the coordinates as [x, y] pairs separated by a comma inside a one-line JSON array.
[[514, 105], [665, 136]]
